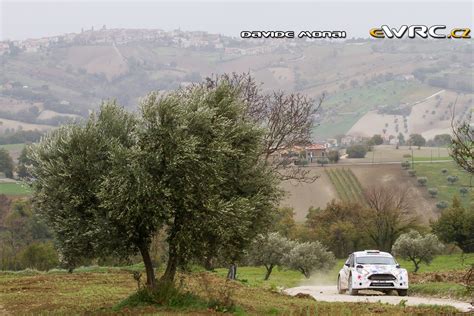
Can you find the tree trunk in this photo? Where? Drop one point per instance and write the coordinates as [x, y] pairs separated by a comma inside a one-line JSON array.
[[416, 265], [150, 272], [171, 265], [232, 273], [269, 271]]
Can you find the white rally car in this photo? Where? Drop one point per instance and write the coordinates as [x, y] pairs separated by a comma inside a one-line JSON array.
[[372, 270]]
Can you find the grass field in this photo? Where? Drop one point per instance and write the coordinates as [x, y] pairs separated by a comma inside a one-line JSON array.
[[347, 185], [436, 179], [61, 293], [14, 189]]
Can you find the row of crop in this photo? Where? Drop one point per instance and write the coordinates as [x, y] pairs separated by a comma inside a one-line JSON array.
[[347, 185]]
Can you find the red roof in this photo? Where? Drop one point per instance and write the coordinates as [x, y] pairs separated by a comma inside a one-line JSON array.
[[315, 147]]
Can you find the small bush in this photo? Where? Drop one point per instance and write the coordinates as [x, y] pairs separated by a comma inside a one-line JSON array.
[[444, 171], [406, 156], [442, 205], [433, 192], [422, 181], [452, 179], [412, 172], [463, 191], [166, 294], [357, 151], [405, 165]]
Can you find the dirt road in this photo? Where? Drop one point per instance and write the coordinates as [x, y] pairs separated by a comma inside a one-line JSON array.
[[329, 294]]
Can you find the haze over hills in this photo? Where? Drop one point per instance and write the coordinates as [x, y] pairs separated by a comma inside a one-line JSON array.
[[372, 87]]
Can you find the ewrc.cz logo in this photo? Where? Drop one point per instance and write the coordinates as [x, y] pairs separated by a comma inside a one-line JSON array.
[[422, 31]]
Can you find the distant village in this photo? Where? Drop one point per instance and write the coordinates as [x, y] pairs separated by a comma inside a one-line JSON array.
[[175, 38]]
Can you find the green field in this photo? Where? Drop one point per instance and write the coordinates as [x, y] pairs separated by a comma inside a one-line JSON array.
[[14, 189], [350, 105], [347, 185], [13, 147], [436, 179]]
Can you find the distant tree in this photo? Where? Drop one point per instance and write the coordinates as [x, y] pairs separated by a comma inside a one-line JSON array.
[[357, 151], [433, 192], [444, 171], [308, 257], [377, 139], [463, 191], [6, 163], [337, 227], [390, 214], [422, 181], [417, 248], [322, 161], [442, 140], [456, 225], [401, 139], [417, 140], [405, 164], [269, 250], [412, 172], [334, 156], [284, 222], [452, 179], [23, 163], [442, 205], [39, 256]]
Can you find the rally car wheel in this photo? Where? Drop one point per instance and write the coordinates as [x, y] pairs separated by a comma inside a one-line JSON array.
[[340, 290], [350, 289]]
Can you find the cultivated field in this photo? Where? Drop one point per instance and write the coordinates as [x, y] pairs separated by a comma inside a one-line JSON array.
[[347, 185]]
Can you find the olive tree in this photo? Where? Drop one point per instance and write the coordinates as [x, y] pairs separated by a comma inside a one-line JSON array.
[[417, 248], [462, 148], [269, 251], [189, 164], [307, 257]]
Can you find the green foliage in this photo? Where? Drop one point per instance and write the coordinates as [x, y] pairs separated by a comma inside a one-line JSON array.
[[463, 191], [422, 181], [405, 164], [6, 163], [416, 140], [357, 151], [333, 156], [412, 172], [322, 161], [269, 250], [452, 179], [442, 205], [284, 222], [39, 256], [338, 227], [190, 161], [444, 171], [377, 139], [308, 257], [456, 225], [433, 192], [417, 248]]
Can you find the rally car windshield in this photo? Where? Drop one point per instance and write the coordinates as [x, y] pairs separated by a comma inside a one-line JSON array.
[[375, 260]]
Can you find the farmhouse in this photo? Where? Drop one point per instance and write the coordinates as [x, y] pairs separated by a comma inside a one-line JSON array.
[[315, 151]]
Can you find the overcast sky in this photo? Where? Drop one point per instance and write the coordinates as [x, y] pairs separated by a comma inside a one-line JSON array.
[[32, 19]]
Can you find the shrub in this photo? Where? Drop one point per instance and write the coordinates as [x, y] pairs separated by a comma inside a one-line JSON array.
[[301, 162], [422, 181], [442, 205], [405, 165], [444, 171], [412, 172], [322, 161], [334, 156], [452, 179], [406, 156], [433, 192], [357, 151], [463, 191]]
